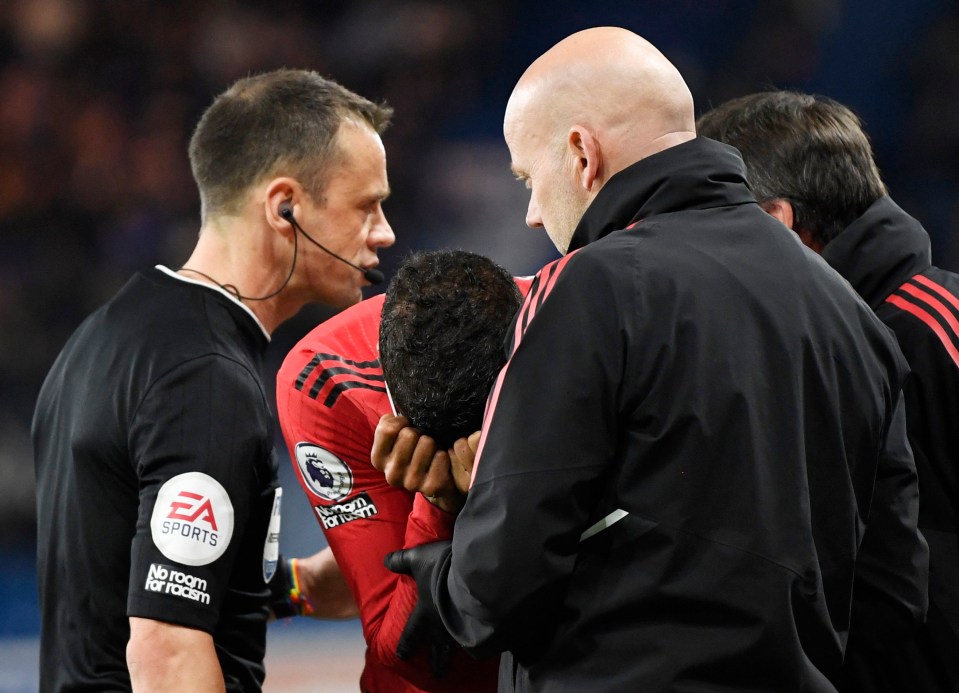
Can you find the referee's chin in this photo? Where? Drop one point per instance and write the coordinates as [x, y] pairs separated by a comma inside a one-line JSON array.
[[335, 287]]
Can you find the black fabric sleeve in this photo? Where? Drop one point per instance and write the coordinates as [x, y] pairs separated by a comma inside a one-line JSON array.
[[199, 440], [890, 593]]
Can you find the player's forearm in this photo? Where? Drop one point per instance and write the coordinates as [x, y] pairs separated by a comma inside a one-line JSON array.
[[163, 657], [385, 635], [321, 580], [464, 673]]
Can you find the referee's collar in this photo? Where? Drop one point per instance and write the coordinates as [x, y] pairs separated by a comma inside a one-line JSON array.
[[220, 290]]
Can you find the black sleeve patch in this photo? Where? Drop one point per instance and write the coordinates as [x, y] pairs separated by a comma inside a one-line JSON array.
[[357, 508]]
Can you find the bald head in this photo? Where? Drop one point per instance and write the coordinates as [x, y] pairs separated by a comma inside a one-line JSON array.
[[612, 81], [600, 100]]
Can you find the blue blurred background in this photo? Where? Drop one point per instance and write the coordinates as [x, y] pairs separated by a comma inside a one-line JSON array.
[[98, 99]]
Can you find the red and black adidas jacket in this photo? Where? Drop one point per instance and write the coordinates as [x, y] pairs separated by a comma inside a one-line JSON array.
[[677, 458], [886, 256]]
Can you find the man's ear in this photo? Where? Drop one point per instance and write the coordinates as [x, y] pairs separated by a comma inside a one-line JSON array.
[[587, 157], [781, 209], [280, 191]]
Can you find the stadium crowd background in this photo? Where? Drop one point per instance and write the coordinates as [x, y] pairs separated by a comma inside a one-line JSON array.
[[98, 99]]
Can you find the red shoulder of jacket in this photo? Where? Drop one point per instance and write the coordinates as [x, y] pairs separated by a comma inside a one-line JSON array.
[[933, 304], [524, 284]]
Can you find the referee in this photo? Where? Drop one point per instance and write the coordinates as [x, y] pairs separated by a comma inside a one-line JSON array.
[[157, 490]]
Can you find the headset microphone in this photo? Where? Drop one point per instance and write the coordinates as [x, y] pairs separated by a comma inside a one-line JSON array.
[[373, 276]]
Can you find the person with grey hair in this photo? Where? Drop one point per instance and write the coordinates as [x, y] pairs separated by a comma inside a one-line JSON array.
[[157, 491], [665, 495], [811, 166]]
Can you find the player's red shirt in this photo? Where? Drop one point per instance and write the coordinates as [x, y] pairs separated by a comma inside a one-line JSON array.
[[330, 396]]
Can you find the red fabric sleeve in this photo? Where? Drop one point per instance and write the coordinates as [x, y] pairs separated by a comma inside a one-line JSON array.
[[427, 523]]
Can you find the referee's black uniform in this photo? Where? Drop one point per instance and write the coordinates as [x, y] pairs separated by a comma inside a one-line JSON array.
[[156, 483]]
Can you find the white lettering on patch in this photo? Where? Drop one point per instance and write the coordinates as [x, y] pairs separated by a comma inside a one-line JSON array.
[[192, 520], [358, 508], [165, 579]]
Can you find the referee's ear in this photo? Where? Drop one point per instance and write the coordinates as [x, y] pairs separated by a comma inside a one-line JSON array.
[[282, 193]]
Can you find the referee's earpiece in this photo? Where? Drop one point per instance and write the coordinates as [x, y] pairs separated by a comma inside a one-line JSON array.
[[372, 275]]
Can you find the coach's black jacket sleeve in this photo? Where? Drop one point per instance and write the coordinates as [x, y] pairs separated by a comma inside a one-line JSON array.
[[890, 594]]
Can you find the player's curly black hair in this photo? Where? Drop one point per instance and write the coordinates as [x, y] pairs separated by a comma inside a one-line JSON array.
[[442, 339]]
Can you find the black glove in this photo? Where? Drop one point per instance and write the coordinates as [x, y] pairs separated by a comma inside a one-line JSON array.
[[428, 565]]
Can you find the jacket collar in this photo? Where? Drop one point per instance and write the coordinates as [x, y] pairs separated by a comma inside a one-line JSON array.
[[697, 174], [879, 251]]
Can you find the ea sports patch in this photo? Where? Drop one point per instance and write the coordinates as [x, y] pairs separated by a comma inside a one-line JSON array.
[[325, 473], [192, 520]]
